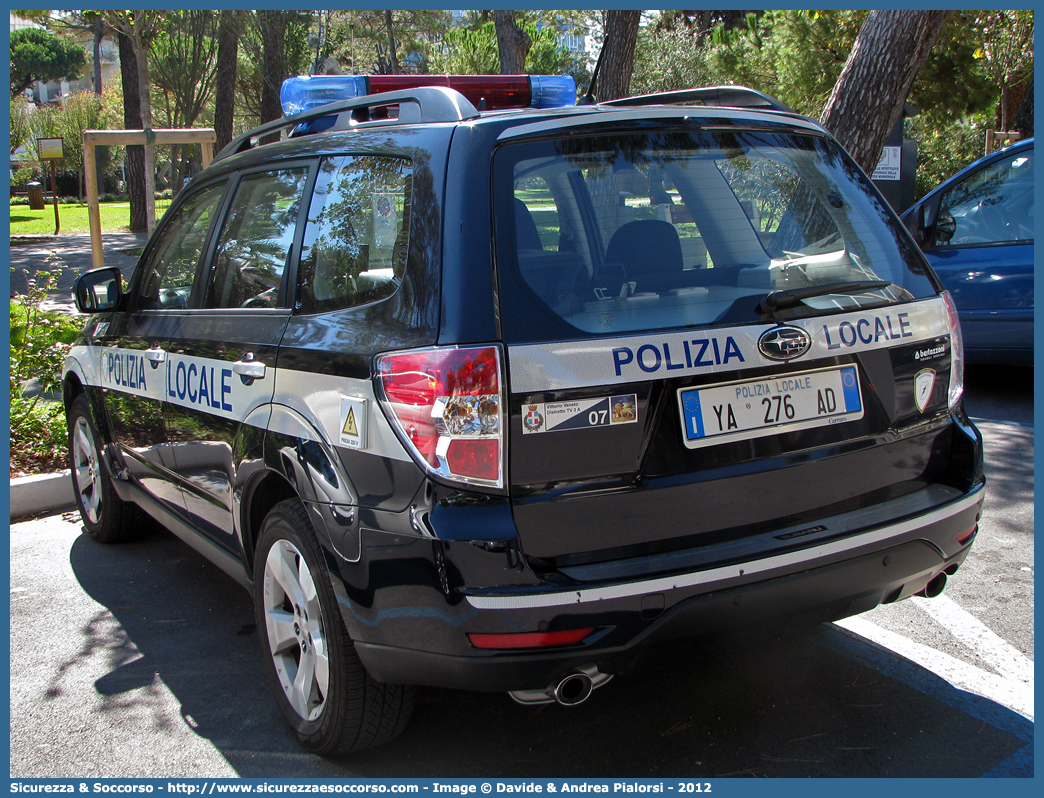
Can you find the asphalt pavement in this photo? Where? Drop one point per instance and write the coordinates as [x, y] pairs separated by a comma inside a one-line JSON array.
[[72, 253], [141, 660]]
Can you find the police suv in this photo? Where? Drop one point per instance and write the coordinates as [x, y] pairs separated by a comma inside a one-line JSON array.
[[476, 387]]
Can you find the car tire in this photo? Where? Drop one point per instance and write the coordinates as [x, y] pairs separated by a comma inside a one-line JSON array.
[[325, 694], [106, 517]]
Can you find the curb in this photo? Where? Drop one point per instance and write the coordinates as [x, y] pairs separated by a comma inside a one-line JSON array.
[[41, 494]]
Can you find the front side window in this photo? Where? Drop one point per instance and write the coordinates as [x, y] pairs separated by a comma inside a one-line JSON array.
[[668, 229], [357, 234], [256, 240], [992, 206], [170, 270]]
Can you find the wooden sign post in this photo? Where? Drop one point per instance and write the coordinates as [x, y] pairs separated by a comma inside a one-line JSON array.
[[205, 137], [52, 150]]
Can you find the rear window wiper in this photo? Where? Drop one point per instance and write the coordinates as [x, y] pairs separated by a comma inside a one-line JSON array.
[[778, 300]]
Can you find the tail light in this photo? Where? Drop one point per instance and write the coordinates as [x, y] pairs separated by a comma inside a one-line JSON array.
[[567, 637], [956, 352], [446, 405]]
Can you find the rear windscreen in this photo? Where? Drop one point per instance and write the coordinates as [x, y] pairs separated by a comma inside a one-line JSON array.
[[671, 229]]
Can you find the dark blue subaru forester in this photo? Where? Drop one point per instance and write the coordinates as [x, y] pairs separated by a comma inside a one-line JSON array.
[[475, 387]]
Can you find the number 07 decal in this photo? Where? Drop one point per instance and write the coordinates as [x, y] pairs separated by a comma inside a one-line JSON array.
[[560, 416]]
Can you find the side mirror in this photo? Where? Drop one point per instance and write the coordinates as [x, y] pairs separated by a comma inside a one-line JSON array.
[[945, 227], [920, 223], [98, 290]]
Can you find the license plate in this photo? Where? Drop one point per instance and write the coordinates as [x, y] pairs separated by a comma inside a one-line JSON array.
[[771, 406]]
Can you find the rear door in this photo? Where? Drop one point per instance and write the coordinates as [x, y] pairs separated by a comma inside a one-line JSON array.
[[221, 371], [667, 392]]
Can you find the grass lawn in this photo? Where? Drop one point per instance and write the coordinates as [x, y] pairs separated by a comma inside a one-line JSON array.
[[73, 216]]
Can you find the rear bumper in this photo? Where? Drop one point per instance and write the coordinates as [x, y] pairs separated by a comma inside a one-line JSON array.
[[641, 621]]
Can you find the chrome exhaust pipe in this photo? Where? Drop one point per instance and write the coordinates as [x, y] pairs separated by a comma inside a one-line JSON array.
[[934, 587], [572, 689]]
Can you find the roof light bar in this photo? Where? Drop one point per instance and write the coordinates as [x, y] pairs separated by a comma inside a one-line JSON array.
[[304, 92]]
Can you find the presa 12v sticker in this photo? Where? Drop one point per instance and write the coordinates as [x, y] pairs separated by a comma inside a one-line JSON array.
[[605, 411]]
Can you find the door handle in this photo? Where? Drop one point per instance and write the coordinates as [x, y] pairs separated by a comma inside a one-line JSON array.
[[155, 356], [249, 369]]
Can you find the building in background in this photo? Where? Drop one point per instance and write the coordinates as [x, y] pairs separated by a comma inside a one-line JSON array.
[[53, 90]]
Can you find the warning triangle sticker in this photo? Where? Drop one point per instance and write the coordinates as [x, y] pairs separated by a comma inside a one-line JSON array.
[[349, 424]]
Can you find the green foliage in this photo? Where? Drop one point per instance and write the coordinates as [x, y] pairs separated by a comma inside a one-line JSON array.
[[469, 51], [25, 174], [548, 57], [39, 338], [1005, 51], [40, 440], [39, 343], [1005, 44], [359, 39], [671, 59], [474, 51], [79, 112], [20, 125], [43, 124], [796, 56], [944, 148], [41, 55], [953, 63], [250, 70], [182, 66]]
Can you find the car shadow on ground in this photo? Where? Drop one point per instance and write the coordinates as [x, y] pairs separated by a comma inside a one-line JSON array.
[[792, 708], [999, 393]]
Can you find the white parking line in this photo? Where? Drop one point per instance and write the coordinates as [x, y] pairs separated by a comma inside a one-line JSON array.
[[1015, 694], [1000, 654], [1000, 422]]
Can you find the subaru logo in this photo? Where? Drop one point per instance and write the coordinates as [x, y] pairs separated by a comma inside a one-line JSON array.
[[784, 343]]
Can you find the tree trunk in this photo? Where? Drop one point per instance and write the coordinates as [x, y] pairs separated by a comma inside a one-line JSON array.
[[225, 80], [141, 55], [393, 65], [134, 164], [621, 35], [273, 70], [513, 43], [868, 98], [99, 34], [1023, 121]]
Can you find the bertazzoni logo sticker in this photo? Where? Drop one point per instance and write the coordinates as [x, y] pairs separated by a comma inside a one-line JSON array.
[[924, 382], [652, 356]]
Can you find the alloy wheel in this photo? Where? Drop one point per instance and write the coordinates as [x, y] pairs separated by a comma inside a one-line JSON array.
[[294, 624], [86, 470]]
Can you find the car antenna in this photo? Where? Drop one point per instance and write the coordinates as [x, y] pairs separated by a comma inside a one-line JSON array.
[[589, 95]]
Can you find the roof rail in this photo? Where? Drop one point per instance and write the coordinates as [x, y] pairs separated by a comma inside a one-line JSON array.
[[725, 96], [429, 104]]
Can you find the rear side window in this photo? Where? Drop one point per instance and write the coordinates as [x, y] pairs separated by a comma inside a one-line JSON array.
[[256, 240], [670, 229], [357, 234]]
